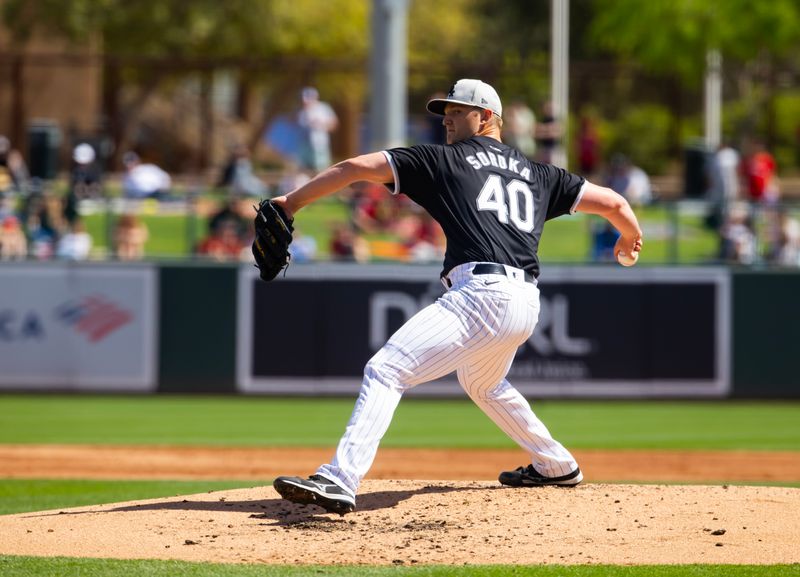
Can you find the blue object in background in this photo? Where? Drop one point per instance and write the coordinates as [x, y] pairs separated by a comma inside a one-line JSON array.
[[283, 136]]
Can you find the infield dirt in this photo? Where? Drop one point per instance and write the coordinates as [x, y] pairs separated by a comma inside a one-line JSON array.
[[432, 516]]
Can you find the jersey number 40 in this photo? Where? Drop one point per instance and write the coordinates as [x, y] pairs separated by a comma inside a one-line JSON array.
[[512, 201]]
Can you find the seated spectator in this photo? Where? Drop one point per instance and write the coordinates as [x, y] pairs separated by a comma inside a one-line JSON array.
[[303, 247], [738, 242], [7, 205], [420, 236], [41, 223], [604, 238], [346, 245], [629, 180], [783, 237], [373, 210], [14, 175], [13, 244], [238, 176], [76, 244], [229, 211], [293, 177], [130, 237], [223, 243], [144, 180]]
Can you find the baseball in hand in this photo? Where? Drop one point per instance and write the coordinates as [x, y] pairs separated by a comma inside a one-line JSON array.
[[626, 259]]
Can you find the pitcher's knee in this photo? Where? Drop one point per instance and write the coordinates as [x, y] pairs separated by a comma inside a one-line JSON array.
[[379, 370], [484, 391]]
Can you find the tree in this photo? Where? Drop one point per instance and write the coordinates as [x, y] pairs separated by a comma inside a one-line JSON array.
[[672, 37], [148, 44]]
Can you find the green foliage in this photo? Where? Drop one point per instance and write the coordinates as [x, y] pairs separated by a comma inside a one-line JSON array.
[[787, 121], [244, 28], [642, 133], [673, 36]]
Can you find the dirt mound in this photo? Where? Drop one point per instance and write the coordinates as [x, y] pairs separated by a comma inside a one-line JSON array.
[[424, 522]]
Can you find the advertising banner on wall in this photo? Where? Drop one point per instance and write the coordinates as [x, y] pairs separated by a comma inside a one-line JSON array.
[[602, 331], [78, 327]]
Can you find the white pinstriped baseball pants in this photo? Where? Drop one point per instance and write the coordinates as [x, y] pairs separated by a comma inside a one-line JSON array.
[[473, 329]]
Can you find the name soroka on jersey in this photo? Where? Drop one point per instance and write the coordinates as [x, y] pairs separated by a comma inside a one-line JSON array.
[[483, 159]]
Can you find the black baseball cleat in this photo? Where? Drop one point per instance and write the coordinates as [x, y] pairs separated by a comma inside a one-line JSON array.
[[530, 477], [316, 490]]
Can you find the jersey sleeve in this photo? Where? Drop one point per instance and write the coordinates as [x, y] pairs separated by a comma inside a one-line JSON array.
[[414, 168], [565, 190]]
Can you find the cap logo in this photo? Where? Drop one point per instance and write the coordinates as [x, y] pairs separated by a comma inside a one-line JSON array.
[[452, 91]]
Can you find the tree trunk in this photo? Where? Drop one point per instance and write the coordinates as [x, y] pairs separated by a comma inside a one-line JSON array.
[[19, 139]]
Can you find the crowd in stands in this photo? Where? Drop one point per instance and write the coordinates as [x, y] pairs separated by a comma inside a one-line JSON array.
[[36, 222]]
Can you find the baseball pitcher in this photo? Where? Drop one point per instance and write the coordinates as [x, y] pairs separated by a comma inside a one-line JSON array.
[[492, 203]]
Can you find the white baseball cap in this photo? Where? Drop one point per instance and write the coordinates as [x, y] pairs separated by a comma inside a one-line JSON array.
[[83, 154], [470, 92]]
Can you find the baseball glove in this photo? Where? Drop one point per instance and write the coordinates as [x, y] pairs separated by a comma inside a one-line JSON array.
[[272, 239]]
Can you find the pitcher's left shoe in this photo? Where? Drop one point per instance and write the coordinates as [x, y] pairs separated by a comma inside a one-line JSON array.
[[316, 490]]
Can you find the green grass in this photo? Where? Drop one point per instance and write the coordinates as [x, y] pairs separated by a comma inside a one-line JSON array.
[[21, 495], [232, 421], [267, 421], [68, 567]]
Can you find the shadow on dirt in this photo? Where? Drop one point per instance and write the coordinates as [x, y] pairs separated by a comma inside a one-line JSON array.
[[283, 512]]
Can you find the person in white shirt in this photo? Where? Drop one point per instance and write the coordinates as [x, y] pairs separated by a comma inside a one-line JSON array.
[[316, 121], [144, 180], [76, 244]]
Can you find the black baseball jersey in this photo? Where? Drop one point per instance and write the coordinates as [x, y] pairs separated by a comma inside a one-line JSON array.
[[490, 200]]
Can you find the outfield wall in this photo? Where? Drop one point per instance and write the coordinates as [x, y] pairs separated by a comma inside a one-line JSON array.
[[708, 332]]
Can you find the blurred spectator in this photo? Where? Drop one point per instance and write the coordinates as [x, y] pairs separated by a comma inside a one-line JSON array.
[[759, 172], [372, 209], [41, 223], [783, 243], [76, 244], [346, 245], [725, 173], [738, 240], [421, 236], [548, 134], [639, 191], [7, 205], [316, 121], [14, 175], [238, 176], [84, 181], [604, 238], [229, 212], [723, 183], [519, 127], [223, 243], [629, 180], [13, 244], [292, 178], [144, 180], [303, 247], [588, 146], [130, 237]]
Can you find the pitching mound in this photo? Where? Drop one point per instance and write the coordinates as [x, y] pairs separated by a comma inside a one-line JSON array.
[[421, 522]]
